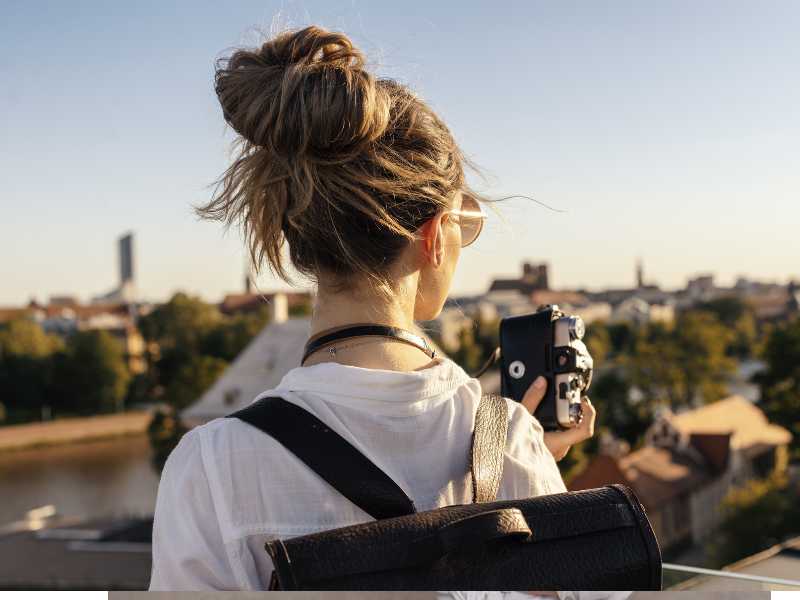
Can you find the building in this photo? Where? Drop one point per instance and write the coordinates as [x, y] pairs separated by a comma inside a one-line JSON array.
[[125, 292], [534, 277], [636, 309], [249, 302], [689, 463], [701, 288]]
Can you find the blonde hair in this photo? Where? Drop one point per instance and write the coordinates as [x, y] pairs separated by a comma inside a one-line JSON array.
[[340, 164]]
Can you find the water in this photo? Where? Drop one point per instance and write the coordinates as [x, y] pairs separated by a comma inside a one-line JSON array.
[[90, 479]]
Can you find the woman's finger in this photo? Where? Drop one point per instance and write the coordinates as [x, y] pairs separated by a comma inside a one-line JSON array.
[[535, 393]]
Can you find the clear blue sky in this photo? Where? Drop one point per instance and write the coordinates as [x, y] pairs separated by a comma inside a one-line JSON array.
[[668, 130]]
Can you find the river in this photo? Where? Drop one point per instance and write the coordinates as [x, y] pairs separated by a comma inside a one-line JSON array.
[[89, 479]]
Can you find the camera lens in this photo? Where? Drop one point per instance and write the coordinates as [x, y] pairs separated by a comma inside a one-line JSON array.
[[576, 328]]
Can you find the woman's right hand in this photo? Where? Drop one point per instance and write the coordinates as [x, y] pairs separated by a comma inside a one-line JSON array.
[[559, 442]]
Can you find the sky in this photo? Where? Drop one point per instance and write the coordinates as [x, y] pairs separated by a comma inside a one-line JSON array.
[[667, 131]]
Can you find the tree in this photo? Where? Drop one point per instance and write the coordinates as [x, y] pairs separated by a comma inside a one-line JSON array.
[[165, 431], [684, 363], [616, 412], [735, 314], [26, 362], [758, 515], [780, 382], [90, 375], [468, 353], [598, 341], [181, 322], [192, 379], [623, 338], [230, 336]]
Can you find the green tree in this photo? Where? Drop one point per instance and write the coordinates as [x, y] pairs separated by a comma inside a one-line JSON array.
[[26, 364], [165, 431], [300, 310], [192, 379], [181, 322], [468, 354], [230, 336], [616, 412], [179, 328], [623, 338], [598, 341], [90, 376], [738, 316], [683, 363], [757, 515], [780, 382]]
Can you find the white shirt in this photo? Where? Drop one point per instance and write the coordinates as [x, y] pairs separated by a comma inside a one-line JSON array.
[[228, 487]]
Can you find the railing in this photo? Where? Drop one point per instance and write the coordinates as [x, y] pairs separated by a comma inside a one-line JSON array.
[[732, 575]]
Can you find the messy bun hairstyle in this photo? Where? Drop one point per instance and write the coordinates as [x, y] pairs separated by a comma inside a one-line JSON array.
[[341, 165]]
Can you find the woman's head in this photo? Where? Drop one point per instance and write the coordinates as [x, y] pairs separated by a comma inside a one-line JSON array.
[[354, 172]]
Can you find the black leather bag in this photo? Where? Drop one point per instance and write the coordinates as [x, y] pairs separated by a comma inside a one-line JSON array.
[[596, 539]]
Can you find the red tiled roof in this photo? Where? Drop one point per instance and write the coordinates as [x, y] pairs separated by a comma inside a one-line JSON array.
[[656, 475], [746, 423]]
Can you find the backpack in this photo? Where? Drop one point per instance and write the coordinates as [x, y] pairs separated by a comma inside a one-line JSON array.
[[596, 539]]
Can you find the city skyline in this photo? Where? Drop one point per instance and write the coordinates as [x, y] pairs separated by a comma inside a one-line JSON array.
[[639, 277], [666, 132]]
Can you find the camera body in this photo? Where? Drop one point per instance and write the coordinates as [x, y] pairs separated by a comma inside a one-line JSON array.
[[548, 343]]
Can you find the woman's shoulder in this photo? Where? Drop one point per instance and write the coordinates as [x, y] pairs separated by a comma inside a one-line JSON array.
[[229, 438]]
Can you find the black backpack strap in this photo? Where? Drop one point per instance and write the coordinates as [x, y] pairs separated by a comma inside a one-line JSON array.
[[331, 456], [488, 447]]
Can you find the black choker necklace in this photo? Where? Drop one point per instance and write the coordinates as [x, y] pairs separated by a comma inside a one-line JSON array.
[[363, 330]]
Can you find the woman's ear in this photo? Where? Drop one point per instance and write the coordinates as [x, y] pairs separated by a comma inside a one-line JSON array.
[[434, 240]]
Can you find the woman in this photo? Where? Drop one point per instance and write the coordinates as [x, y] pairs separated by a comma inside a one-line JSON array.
[[366, 185]]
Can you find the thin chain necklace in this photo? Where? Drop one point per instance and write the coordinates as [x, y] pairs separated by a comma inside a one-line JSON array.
[[333, 349]]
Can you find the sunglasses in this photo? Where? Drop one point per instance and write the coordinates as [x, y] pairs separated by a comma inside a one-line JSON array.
[[470, 219]]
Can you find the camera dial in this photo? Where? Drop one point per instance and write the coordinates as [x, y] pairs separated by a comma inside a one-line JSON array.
[[576, 328]]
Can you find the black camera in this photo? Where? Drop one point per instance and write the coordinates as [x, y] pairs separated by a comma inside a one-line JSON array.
[[548, 343]]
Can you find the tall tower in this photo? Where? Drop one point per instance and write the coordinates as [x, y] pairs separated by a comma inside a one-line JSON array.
[[126, 271], [639, 274]]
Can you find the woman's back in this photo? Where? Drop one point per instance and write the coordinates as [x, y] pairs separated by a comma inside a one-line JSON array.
[[229, 487]]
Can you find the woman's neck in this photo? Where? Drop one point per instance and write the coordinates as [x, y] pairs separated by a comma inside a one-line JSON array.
[[337, 310], [341, 309]]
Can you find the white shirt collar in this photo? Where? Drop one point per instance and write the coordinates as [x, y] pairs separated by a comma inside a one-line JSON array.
[[382, 390]]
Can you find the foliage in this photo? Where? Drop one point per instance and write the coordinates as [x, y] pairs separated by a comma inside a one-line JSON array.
[[196, 342], [300, 310], [24, 337], [90, 375], [684, 363], [758, 515], [26, 365], [180, 323], [736, 315], [193, 378], [165, 431], [189, 343], [780, 383], [616, 412], [598, 341], [468, 353], [622, 336], [229, 337], [476, 342]]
